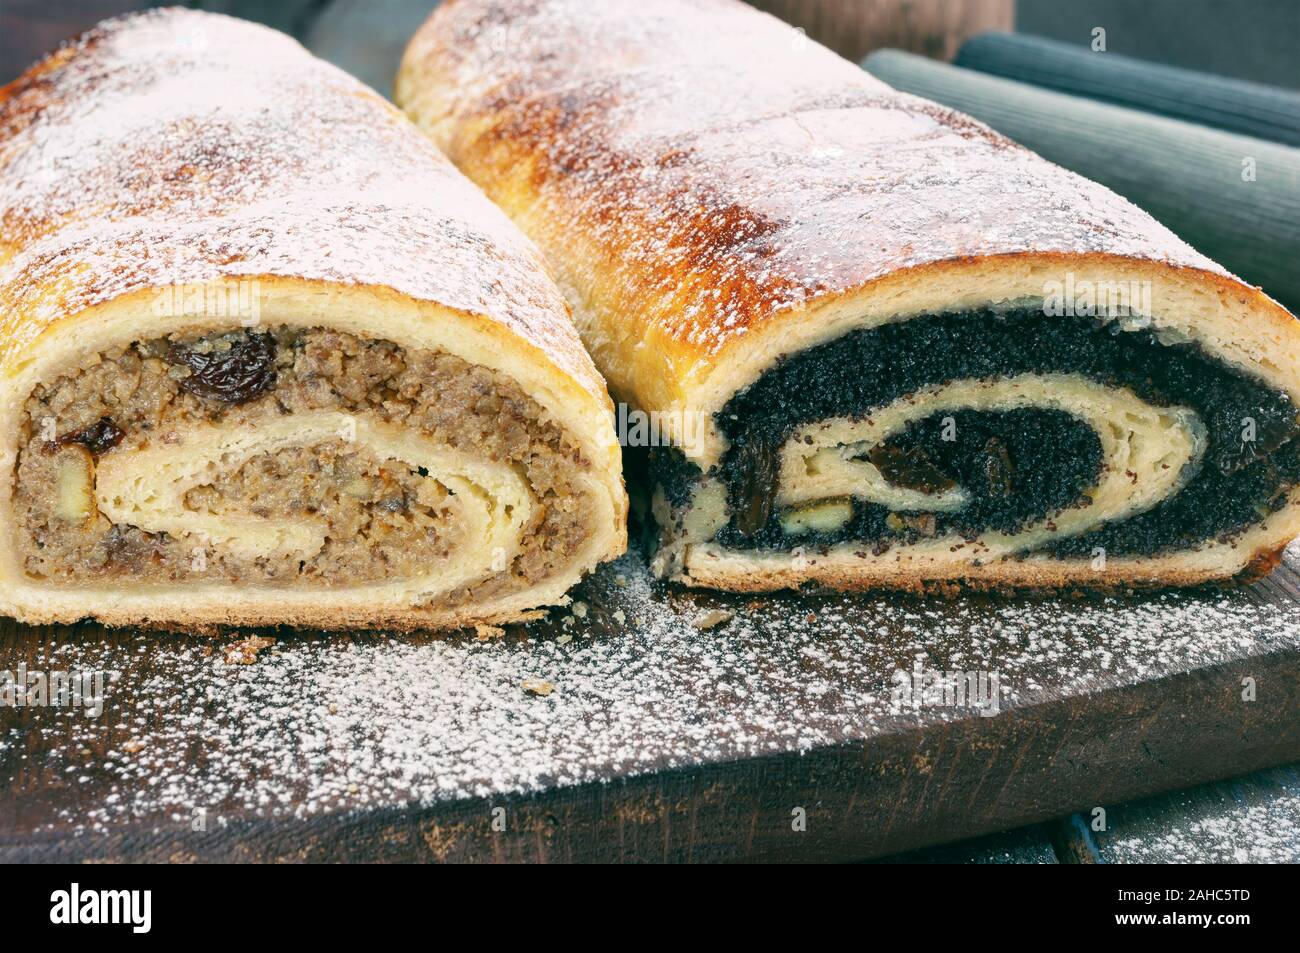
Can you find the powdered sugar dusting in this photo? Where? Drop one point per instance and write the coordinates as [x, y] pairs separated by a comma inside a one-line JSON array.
[[725, 169], [177, 147], [360, 723]]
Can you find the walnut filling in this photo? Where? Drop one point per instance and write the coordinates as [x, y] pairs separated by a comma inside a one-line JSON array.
[[344, 513]]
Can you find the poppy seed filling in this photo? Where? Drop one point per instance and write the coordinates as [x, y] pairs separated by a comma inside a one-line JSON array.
[[1015, 467]]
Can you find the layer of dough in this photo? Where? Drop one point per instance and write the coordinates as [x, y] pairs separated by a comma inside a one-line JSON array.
[[147, 489], [1148, 452]]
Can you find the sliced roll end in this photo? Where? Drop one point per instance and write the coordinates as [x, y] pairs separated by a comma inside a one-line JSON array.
[[267, 358], [306, 471], [1010, 422]]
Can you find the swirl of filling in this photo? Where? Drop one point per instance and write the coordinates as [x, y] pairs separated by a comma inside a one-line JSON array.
[[487, 504], [1146, 453], [303, 457], [997, 433]]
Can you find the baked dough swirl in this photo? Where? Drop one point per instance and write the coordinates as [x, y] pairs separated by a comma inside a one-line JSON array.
[[268, 358], [890, 347]]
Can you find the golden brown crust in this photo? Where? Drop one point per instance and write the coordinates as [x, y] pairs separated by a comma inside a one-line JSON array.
[[696, 172], [713, 192], [184, 149]]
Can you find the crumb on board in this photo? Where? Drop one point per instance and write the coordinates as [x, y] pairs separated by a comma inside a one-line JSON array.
[[712, 619], [244, 652], [537, 686], [485, 633]]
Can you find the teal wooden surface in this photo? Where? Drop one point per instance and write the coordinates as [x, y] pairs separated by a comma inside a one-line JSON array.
[[1250, 39], [1235, 198], [1252, 109]]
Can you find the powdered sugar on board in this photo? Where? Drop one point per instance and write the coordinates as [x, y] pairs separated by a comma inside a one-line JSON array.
[[324, 724]]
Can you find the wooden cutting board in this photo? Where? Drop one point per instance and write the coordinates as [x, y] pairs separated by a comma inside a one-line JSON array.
[[781, 733], [634, 725]]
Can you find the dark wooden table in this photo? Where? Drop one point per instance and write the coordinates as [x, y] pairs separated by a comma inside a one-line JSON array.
[[1250, 819]]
